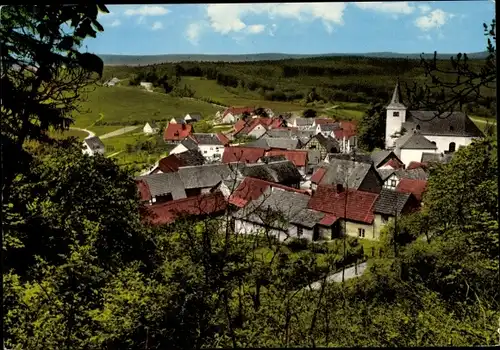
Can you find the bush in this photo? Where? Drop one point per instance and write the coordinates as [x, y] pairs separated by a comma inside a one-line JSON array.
[[298, 244], [319, 248]]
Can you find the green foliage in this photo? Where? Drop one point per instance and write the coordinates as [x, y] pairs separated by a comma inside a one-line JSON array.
[[309, 113], [371, 129]]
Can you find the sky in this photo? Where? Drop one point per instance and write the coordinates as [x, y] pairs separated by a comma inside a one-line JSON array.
[[294, 28]]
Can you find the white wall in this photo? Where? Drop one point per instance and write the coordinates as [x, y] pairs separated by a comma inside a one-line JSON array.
[[148, 129], [258, 131], [180, 148], [211, 152], [443, 142], [389, 181], [413, 155], [244, 227], [393, 125], [229, 118], [87, 150]]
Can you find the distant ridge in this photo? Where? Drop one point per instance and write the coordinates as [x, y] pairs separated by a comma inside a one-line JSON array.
[[133, 60]]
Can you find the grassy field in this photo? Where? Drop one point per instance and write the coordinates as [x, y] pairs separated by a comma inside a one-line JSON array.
[[124, 105], [69, 133]]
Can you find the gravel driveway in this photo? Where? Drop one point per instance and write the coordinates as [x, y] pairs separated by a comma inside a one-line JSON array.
[[119, 131]]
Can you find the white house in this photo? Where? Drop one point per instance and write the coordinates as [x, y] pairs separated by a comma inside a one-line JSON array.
[[211, 146], [93, 145], [177, 121], [448, 131], [188, 144], [112, 82], [233, 114], [410, 147], [192, 117], [327, 129], [258, 131], [146, 85], [150, 128]]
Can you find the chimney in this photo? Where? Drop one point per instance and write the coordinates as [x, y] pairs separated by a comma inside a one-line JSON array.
[[340, 188]]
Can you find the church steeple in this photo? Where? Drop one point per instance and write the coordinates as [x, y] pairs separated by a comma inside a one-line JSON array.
[[396, 102]]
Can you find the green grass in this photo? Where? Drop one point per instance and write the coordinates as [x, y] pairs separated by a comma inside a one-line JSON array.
[[104, 129], [126, 105], [69, 133]]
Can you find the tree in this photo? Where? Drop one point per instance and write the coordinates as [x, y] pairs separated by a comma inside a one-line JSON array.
[[371, 129], [261, 112], [309, 113], [41, 64], [203, 126]]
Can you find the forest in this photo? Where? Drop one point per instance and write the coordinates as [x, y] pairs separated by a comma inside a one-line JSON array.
[[82, 269]]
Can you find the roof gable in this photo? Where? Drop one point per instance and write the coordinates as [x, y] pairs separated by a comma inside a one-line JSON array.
[[242, 154], [203, 176], [177, 132], [297, 157], [94, 142], [447, 124], [415, 140], [163, 184], [415, 187], [390, 202]]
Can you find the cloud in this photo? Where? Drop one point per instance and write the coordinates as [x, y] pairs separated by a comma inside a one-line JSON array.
[[156, 26], [256, 28], [193, 32], [272, 30], [434, 19], [147, 10], [115, 23], [226, 18], [395, 8], [424, 8]]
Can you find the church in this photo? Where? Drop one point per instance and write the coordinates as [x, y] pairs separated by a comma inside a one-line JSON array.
[[424, 131]]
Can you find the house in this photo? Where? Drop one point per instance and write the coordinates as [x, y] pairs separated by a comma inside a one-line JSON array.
[[391, 204], [280, 172], [252, 188], [93, 145], [297, 157], [413, 186], [350, 209], [233, 114], [177, 121], [280, 213], [290, 132], [350, 174], [175, 133], [150, 128], [386, 159], [346, 136], [393, 177], [160, 187], [276, 143], [268, 159], [210, 145], [146, 85], [323, 144], [327, 129], [302, 123], [314, 159], [242, 154], [188, 144], [192, 117], [447, 131], [173, 162], [256, 127], [200, 179], [202, 206], [411, 146], [112, 82]]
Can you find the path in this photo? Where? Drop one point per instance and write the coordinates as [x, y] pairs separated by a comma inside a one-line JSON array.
[[483, 121], [119, 132], [349, 273], [90, 133]]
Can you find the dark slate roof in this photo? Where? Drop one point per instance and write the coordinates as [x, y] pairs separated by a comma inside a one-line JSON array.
[[358, 157], [448, 124], [328, 143], [287, 204], [203, 176], [164, 183], [282, 142], [436, 157], [390, 202], [385, 173], [307, 218], [179, 120], [345, 171], [379, 156], [207, 139], [330, 126], [195, 116], [414, 140], [279, 172], [304, 121], [191, 157], [260, 143], [413, 174], [396, 102], [94, 142], [189, 144], [267, 159]]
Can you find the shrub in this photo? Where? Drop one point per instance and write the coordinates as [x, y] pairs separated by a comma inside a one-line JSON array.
[[297, 244]]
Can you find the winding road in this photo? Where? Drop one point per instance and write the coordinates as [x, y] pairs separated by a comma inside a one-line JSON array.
[[350, 272], [90, 133]]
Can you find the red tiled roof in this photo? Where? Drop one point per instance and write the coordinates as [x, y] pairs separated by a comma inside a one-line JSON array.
[[359, 203], [177, 132], [223, 139], [322, 121], [347, 130], [242, 154], [244, 127], [251, 188], [416, 187], [170, 164], [297, 157], [328, 220], [144, 191], [393, 163], [238, 110], [318, 175], [415, 165], [168, 212]]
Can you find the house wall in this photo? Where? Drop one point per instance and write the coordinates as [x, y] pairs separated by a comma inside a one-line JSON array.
[[148, 129], [247, 228], [372, 182], [258, 131], [352, 229], [388, 182], [393, 125], [413, 155], [229, 118], [306, 233], [173, 121], [180, 148], [379, 223], [211, 152], [443, 142]]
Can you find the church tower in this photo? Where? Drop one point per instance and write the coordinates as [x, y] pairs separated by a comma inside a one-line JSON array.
[[396, 116]]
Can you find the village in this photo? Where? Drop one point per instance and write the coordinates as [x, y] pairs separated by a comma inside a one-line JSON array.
[[308, 170]]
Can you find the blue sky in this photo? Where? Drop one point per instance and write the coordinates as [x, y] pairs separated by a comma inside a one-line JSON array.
[[300, 28]]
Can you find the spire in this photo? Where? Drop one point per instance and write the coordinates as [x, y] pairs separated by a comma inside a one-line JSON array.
[[396, 98]]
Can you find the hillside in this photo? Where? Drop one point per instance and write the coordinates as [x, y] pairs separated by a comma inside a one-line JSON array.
[[133, 60]]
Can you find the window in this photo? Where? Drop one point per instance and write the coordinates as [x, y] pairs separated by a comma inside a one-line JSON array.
[[434, 143], [205, 152], [312, 147], [361, 232], [452, 147], [300, 231], [395, 114], [393, 183], [385, 218]]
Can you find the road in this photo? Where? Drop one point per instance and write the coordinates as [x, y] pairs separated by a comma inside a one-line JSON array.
[[90, 133], [119, 131], [337, 277]]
